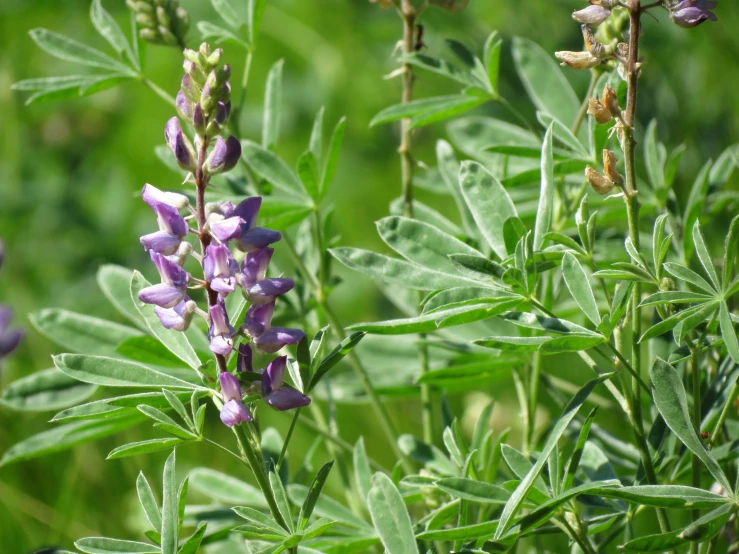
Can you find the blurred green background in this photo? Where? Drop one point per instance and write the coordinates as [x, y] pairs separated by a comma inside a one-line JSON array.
[[70, 172]]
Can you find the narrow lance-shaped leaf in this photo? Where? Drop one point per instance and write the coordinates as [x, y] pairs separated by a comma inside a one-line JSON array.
[[672, 403], [45, 390], [149, 503], [111, 31], [570, 411], [169, 507], [306, 510], [546, 194], [390, 516], [272, 106], [577, 283], [728, 332]]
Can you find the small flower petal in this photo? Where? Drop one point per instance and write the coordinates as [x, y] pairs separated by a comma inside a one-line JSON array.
[[286, 398], [234, 412]]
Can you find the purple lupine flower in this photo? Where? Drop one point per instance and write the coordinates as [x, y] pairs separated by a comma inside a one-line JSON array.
[[219, 268], [249, 238], [691, 13], [225, 155], [268, 339], [179, 317], [221, 331], [244, 359], [592, 15], [266, 290], [252, 278], [179, 144], [171, 290], [153, 196], [183, 105], [233, 411], [9, 339], [172, 230], [278, 395]]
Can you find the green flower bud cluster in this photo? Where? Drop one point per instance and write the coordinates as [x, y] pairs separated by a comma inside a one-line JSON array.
[[161, 21], [205, 93]]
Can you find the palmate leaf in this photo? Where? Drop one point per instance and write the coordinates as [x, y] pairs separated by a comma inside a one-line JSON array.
[[71, 50], [111, 31]]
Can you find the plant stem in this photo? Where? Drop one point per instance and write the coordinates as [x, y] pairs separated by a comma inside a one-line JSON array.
[[584, 107], [408, 15], [296, 416], [256, 463], [733, 395]]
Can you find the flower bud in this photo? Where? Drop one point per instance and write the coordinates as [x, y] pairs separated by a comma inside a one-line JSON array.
[[592, 15], [163, 17], [599, 111], [224, 157], [183, 105], [215, 58], [180, 145], [691, 13], [198, 119], [206, 97], [609, 166], [600, 183], [610, 100], [577, 60], [159, 21], [204, 50]]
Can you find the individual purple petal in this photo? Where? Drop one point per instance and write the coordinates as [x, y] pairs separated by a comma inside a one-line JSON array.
[[170, 272], [217, 262], [248, 210], [274, 338], [161, 242], [225, 155], [254, 267], [259, 318], [234, 412], [286, 398], [223, 286], [178, 317], [267, 289], [692, 17], [153, 196], [188, 87], [227, 229], [177, 143], [170, 220], [171, 130], [219, 324], [274, 375], [183, 105], [198, 118], [163, 295], [221, 345], [230, 387], [244, 359], [257, 238], [9, 341]]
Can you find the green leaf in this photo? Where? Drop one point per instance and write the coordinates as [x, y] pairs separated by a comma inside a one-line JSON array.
[[165, 422], [489, 203], [308, 173], [548, 324], [579, 286], [81, 333], [192, 544], [442, 67], [148, 351], [433, 321], [671, 401], [64, 437], [111, 372], [462, 296], [570, 343], [314, 492], [255, 11], [704, 256], [674, 297], [563, 135], [100, 545], [280, 495], [115, 282], [362, 471], [546, 195], [426, 454], [491, 57], [210, 31], [259, 519], [731, 249], [574, 461], [477, 267], [143, 447], [315, 144], [728, 332], [513, 344], [395, 271], [652, 157], [228, 13], [694, 207], [169, 507], [332, 159], [45, 390], [422, 243], [390, 516], [426, 214], [272, 106], [521, 466], [544, 81], [174, 341], [149, 502], [570, 411], [696, 314], [111, 31], [449, 170], [327, 507], [336, 355], [428, 110], [225, 489], [665, 496], [685, 274], [71, 50], [475, 491], [271, 168]]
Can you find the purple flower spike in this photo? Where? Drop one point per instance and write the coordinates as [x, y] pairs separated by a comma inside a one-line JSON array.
[[233, 413], [274, 338], [219, 268], [275, 393], [225, 155], [9, 340], [244, 359]]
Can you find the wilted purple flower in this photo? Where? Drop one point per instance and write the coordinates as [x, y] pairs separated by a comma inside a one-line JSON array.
[[171, 290], [268, 339], [233, 411], [219, 268], [221, 331], [9, 339], [225, 155], [691, 13], [179, 317], [592, 15], [179, 144], [274, 390]]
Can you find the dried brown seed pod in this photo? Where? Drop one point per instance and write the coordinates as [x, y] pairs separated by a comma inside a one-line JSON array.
[[609, 166], [577, 60], [601, 114], [600, 183]]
